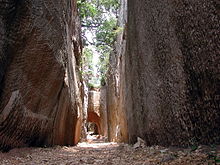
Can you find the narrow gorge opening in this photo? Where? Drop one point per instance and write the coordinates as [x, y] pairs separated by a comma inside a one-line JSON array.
[[100, 27]]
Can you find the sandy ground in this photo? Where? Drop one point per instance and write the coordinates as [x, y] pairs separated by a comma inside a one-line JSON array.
[[111, 153]]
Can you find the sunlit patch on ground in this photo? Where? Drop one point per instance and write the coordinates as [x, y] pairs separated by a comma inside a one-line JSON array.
[[97, 145]]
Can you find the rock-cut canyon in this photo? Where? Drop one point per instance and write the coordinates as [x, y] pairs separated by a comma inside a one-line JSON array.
[[163, 82]]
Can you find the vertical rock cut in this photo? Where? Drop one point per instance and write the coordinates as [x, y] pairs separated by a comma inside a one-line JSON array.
[[172, 71], [117, 123], [40, 99]]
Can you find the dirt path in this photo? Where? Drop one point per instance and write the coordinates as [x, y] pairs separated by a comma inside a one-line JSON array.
[[108, 154]]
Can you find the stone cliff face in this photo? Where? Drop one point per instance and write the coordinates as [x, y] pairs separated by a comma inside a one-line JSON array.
[[117, 124], [40, 101], [172, 71]]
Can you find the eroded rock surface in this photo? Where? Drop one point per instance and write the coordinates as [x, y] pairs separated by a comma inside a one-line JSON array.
[[97, 112], [115, 93], [172, 71], [40, 102]]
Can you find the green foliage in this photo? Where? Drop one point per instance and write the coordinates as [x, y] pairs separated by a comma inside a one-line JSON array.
[[106, 32], [86, 63], [213, 154], [214, 157], [103, 62], [194, 147], [93, 12], [93, 86], [99, 18]]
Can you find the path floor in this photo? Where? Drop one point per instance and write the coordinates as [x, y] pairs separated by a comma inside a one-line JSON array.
[[111, 153]]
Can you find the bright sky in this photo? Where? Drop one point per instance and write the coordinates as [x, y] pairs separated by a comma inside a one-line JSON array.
[[90, 36]]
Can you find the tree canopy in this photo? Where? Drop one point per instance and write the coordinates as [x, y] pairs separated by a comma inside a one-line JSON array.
[[99, 28]]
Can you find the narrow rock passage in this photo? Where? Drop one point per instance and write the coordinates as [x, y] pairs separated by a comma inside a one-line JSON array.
[[108, 154]]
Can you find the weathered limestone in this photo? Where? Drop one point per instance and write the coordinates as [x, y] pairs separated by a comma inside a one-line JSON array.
[[117, 124], [172, 71], [40, 100]]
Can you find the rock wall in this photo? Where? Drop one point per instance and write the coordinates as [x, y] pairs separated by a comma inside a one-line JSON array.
[[97, 110], [103, 112], [172, 71], [117, 124], [40, 100], [94, 102]]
